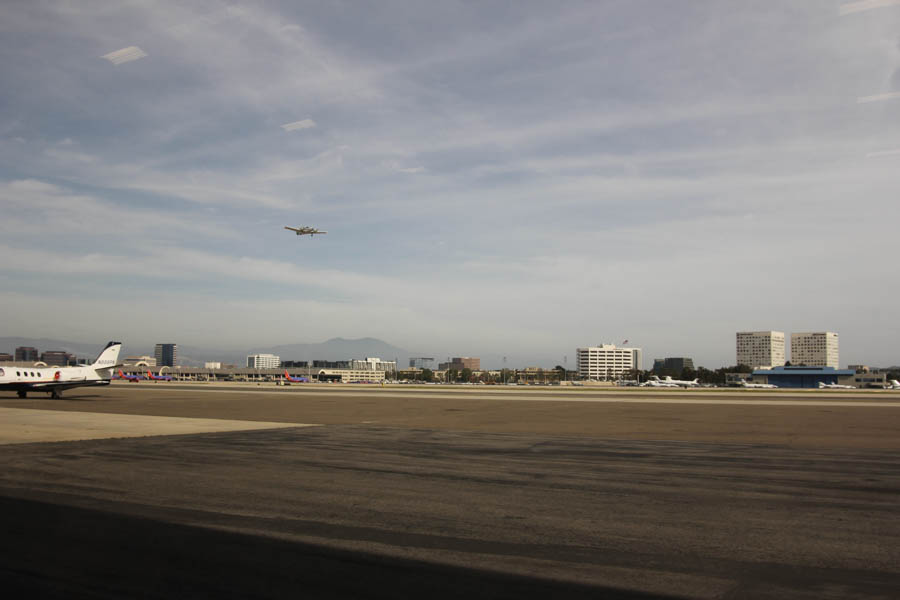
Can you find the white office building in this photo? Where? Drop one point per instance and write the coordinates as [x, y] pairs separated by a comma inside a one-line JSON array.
[[263, 361], [374, 364], [760, 349], [819, 349], [606, 361]]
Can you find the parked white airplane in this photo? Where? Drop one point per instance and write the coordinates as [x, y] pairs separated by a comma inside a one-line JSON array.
[[759, 386], [834, 386], [54, 380], [655, 381]]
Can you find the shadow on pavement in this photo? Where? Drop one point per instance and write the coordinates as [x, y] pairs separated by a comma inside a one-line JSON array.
[[57, 551]]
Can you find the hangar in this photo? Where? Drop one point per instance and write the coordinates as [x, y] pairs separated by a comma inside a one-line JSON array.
[[803, 377]]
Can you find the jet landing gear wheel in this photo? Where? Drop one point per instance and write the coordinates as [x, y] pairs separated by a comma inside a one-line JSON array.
[[56, 394], [21, 393]]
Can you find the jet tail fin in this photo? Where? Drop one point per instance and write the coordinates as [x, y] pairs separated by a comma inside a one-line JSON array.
[[108, 358]]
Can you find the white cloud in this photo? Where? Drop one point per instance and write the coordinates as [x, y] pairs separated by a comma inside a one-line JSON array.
[[125, 55], [883, 153], [304, 124], [878, 97], [864, 5], [37, 207]]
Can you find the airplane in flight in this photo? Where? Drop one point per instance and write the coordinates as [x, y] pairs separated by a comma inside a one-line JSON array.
[[153, 377], [55, 380], [295, 379], [310, 231], [759, 386], [132, 378], [834, 386], [655, 381]]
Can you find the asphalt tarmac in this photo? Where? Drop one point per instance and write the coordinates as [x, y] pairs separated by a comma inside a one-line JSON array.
[[454, 492]]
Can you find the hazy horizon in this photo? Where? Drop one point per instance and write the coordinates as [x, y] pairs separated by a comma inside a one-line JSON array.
[[495, 179]]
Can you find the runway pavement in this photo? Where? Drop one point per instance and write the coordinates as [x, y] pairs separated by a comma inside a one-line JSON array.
[[449, 494]]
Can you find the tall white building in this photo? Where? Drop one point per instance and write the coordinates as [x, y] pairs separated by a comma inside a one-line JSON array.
[[819, 349], [760, 348], [606, 361], [263, 361]]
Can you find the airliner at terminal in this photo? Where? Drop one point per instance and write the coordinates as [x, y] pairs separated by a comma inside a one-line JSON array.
[[55, 380]]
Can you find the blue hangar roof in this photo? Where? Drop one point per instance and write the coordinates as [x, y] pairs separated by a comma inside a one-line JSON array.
[[804, 371]]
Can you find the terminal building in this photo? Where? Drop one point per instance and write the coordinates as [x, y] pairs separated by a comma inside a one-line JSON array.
[[368, 370], [818, 349], [606, 362], [140, 361], [757, 349]]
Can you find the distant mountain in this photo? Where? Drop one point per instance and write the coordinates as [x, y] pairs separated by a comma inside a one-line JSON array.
[[339, 349], [79, 349], [333, 349]]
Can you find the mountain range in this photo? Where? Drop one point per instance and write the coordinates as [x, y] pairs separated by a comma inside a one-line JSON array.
[[333, 349]]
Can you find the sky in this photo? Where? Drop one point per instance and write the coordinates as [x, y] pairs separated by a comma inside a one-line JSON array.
[[496, 178]]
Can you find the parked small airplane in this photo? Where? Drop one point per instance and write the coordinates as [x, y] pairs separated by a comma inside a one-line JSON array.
[[55, 380], [655, 381], [122, 375], [158, 377], [310, 231], [834, 386], [295, 379], [758, 386]]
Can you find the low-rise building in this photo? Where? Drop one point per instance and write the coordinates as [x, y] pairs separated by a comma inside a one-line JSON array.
[[676, 364], [458, 363], [57, 358], [26, 354]]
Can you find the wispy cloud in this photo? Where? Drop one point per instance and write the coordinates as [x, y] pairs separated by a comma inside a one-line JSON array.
[[883, 153], [304, 124], [878, 97], [864, 5], [125, 55]]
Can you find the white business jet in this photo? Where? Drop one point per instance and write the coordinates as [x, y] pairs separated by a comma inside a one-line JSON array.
[[54, 380]]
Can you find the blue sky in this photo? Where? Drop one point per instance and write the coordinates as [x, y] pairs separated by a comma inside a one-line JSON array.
[[496, 178]]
